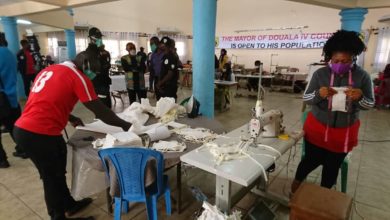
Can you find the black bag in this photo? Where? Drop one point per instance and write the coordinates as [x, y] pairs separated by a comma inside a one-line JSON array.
[[5, 106]]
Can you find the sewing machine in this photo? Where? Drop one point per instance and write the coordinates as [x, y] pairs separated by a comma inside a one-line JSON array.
[[262, 124]]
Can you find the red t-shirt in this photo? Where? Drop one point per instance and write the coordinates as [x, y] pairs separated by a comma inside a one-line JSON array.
[[54, 93], [29, 62]]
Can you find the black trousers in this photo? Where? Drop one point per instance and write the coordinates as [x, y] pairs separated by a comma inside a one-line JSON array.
[[48, 153], [315, 156], [28, 79], [134, 93], [151, 80], [8, 123]]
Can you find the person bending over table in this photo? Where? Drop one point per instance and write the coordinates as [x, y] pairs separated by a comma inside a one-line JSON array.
[[54, 94], [331, 134]]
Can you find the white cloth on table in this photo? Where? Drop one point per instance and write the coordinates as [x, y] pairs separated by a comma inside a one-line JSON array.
[[169, 146], [120, 139]]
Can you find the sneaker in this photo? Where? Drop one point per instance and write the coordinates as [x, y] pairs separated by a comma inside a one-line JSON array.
[[22, 155], [4, 164], [78, 206]]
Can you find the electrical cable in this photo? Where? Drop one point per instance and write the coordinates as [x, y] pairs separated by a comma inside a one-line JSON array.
[[377, 141]]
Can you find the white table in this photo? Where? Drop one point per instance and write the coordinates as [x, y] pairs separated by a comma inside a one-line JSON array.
[[242, 171], [226, 102], [118, 82], [291, 77], [118, 86]]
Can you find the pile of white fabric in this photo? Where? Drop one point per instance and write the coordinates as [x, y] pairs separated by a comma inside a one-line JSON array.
[[212, 213], [166, 110], [196, 135]]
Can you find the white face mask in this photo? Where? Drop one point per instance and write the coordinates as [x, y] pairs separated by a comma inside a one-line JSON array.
[[132, 52]]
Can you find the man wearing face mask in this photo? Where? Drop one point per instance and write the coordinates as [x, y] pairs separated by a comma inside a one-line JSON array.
[[134, 68], [155, 63], [332, 131], [54, 93], [102, 80]]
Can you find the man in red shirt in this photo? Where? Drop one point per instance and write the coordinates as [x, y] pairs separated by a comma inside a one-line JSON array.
[[26, 65], [54, 93]]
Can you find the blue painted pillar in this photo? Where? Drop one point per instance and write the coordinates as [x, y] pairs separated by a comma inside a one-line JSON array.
[[204, 18], [11, 34], [352, 18], [70, 43]]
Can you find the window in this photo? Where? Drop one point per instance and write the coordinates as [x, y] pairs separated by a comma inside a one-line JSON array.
[[53, 46], [180, 46], [81, 44]]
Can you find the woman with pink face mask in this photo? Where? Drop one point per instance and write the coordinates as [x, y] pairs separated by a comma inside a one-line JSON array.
[[331, 131]]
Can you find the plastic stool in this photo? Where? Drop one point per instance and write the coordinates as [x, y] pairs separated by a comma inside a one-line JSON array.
[[344, 165], [311, 201]]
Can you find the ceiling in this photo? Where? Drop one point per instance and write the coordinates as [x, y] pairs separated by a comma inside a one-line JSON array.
[[341, 4], [27, 7]]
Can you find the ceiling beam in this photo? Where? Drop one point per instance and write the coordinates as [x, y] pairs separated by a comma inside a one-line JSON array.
[[59, 19], [374, 3], [27, 7], [37, 6], [60, 3], [80, 3], [336, 4]]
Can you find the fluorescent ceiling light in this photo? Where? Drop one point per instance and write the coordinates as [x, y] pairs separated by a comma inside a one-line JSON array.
[[20, 21]]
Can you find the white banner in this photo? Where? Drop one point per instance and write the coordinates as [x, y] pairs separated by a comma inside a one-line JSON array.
[[273, 41]]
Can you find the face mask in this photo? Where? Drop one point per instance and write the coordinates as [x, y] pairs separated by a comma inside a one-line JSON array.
[[153, 47], [132, 52], [99, 42], [340, 68], [90, 74]]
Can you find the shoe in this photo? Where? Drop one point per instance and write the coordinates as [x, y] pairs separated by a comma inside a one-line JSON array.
[[78, 206], [4, 164], [22, 155]]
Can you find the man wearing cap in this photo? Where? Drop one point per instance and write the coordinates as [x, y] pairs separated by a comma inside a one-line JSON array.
[[102, 80], [167, 81], [155, 64], [26, 65], [8, 97]]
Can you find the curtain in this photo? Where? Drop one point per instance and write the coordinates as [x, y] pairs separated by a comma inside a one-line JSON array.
[[182, 47], [115, 43], [366, 37], [382, 56]]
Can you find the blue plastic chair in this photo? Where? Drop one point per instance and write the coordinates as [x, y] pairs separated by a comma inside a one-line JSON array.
[[130, 164]]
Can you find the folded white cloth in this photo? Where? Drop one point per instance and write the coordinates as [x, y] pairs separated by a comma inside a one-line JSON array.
[[164, 105], [339, 100], [158, 133], [134, 114], [140, 129], [169, 146], [123, 139]]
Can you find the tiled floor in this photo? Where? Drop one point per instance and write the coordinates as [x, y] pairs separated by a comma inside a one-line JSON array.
[[21, 194]]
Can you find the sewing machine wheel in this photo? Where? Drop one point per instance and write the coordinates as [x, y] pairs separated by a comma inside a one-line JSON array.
[[271, 168]]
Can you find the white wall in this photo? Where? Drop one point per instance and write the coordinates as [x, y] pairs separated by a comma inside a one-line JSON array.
[[146, 16]]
